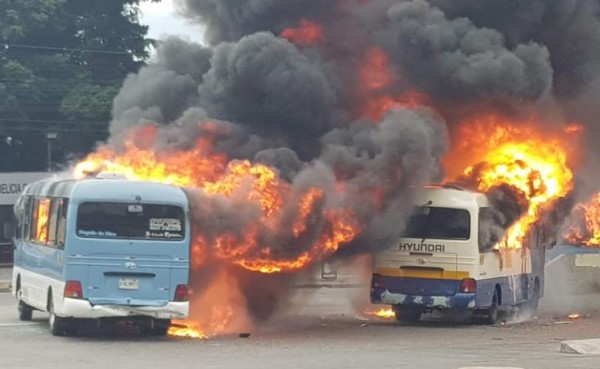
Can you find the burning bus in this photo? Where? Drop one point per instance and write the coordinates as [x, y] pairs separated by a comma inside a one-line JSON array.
[[444, 261], [104, 250]]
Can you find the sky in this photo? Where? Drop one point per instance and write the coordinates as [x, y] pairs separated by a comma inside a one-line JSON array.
[[163, 21]]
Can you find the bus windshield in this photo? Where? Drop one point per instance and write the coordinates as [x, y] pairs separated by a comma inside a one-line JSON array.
[[439, 223], [130, 221]]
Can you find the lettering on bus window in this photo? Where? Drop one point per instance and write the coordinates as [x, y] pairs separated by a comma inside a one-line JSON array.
[[165, 224]]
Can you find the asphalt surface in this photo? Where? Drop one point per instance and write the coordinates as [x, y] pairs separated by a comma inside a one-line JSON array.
[[323, 331], [5, 278]]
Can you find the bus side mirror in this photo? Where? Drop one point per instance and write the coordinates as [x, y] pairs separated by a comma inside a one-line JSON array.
[[9, 230]]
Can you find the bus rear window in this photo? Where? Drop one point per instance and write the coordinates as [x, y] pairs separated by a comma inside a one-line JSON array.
[[130, 221], [439, 223]]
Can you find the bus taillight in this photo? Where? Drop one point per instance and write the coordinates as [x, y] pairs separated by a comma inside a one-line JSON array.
[[73, 290], [468, 285], [182, 293]]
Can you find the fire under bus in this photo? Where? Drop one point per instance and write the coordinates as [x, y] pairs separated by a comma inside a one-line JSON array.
[[439, 264]]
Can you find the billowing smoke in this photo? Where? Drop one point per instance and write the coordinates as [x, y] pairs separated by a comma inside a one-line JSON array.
[[473, 62], [319, 111], [507, 206], [570, 31]]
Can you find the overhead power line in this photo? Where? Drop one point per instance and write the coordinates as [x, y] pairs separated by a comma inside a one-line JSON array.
[[63, 122], [56, 129], [54, 48]]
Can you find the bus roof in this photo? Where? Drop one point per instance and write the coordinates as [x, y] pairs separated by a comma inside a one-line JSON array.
[[107, 190], [451, 196]]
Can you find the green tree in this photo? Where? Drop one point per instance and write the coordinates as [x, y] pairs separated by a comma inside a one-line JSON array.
[[61, 64]]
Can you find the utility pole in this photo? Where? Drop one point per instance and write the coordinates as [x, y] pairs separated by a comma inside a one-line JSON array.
[[50, 136]]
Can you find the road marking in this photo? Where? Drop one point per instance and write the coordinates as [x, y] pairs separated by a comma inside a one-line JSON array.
[[489, 367], [17, 324]]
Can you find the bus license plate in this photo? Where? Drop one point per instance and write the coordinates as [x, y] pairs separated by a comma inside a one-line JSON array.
[[129, 284]]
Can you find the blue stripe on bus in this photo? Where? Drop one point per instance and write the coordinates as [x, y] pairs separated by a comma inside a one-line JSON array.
[[429, 292]]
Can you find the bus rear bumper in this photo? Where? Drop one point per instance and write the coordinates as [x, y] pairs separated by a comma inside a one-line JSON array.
[[76, 308], [456, 301]]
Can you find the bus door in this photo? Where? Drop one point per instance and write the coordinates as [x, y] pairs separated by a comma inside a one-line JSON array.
[[133, 252]]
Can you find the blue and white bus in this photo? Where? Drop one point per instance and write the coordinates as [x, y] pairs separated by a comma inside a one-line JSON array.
[[440, 263], [104, 250]]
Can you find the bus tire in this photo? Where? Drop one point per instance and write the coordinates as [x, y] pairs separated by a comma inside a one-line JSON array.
[[25, 311], [491, 314], [59, 326], [407, 315], [161, 327], [157, 327]]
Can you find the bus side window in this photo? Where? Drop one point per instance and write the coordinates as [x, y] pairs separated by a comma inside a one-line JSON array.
[[29, 219], [489, 231], [39, 226], [22, 219], [62, 223], [53, 222]]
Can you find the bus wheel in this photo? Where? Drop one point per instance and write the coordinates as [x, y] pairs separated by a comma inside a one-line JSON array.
[[161, 327], [25, 311], [158, 327], [492, 312], [407, 315], [59, 326]]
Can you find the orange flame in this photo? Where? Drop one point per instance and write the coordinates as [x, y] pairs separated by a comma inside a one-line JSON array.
[[382, 313], [181, 329], [215, 304], [586, 227], [245, 183], [307, 33], [519, 157], [42, 217], [375, 77], [138, 161], [375, 73]]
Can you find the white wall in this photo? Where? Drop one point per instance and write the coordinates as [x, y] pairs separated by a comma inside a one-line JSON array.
[[12, 184]]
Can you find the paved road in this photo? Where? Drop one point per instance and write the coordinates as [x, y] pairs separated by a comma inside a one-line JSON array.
[[324, 333]]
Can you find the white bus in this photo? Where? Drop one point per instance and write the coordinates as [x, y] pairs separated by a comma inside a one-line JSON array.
[[102, 250], [440, 265]]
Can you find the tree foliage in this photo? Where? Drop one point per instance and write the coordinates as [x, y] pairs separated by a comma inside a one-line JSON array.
[[61, 64]]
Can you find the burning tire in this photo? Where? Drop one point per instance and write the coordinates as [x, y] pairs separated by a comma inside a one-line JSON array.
[[407, 315]]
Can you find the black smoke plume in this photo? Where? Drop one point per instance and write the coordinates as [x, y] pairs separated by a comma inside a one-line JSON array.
[[261, 98]]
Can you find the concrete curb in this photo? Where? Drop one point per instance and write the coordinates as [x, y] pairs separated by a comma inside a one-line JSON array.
[[4, 287], [586, 347]]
